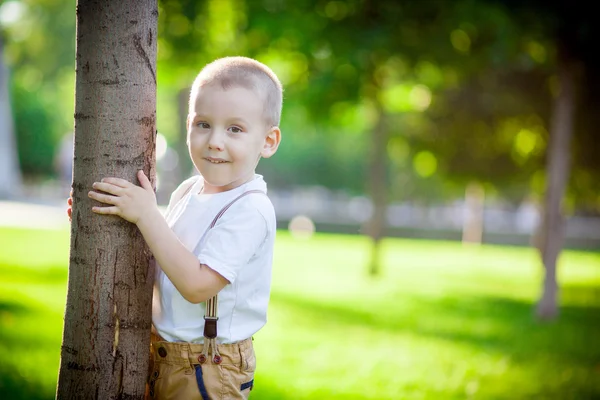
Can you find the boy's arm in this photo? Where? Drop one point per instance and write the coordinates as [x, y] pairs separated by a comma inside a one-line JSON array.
[[194, 281]]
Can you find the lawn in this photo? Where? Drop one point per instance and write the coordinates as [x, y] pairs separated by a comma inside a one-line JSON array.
[[443, 322]]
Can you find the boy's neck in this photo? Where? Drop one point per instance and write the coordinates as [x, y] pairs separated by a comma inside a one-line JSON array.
[[209, 189]]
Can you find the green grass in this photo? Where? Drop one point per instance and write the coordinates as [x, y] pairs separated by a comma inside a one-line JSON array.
[[443, 322]]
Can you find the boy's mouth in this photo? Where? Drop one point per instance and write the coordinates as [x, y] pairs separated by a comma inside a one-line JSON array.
[[213, 160]]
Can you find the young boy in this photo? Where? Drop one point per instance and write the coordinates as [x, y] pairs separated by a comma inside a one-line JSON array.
[[216, 238]]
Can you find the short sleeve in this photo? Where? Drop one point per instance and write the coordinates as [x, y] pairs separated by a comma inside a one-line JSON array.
[[232, 242], [181, 190]]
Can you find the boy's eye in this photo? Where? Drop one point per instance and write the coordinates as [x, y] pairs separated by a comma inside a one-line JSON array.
[[236, 129], [203, 125]]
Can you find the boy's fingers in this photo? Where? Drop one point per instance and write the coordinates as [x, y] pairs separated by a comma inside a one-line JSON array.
[[116, 181], [103, 198], [144, 181], [107, 188], [70, 201], [106, 210]]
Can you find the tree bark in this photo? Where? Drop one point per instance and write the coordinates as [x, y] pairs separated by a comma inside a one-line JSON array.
[[557, 170], [106, 333], [378, 192], [10, 178]]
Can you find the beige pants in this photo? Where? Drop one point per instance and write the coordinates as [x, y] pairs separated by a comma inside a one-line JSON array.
[[179, 372]]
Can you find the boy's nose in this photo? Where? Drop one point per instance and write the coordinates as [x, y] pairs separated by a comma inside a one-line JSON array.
[[216, 141]]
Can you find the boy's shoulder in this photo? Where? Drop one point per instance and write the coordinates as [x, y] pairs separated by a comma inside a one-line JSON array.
[[182, 189], [185, 186], [250, 203], [255, 204]]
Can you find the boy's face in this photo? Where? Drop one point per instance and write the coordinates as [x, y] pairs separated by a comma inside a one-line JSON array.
[[227, 135]]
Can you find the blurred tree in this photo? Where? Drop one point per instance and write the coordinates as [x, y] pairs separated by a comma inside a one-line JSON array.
[[465, 85], [487, 76], [388, 71], [512, 120], [41, 80], [464, 90], [10, 179], [106, 333], [573, 32], [557, 175]]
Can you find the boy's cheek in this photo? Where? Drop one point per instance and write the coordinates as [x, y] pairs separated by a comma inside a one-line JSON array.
[[192, 144]]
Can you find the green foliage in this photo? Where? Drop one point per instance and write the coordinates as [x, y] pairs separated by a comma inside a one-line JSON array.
[[447, 322], [40, 54], [470, 83], [338, 162], [36, 140]]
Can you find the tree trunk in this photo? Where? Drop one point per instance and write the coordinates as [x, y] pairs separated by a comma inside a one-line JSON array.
[[557, 169], [106, 333], [473, 217], [378, 192], [10, 178]]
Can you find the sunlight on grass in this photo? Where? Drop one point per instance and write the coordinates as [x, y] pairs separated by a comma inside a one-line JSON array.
[[444, 321]]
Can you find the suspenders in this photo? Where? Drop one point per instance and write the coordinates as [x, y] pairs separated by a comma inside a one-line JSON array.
[[210, 315]]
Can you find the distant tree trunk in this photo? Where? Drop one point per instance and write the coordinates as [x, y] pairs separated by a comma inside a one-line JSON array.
[[378, 191], [473, 218], [557, 170], [106, 333], [10, 176]]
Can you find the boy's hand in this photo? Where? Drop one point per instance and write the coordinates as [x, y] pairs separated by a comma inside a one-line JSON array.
[[128, 201]]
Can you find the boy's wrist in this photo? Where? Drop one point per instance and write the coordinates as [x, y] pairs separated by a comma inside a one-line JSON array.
[[149, 219]]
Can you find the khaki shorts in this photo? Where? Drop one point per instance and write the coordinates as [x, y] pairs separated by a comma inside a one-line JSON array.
[[178, 371]]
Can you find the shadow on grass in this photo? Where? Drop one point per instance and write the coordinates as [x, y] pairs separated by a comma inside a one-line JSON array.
[[13, 386], [11, 308], [54, 274], [489, 324], [267, 389]]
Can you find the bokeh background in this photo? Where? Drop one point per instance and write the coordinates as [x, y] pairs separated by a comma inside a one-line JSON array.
[[431, 117]]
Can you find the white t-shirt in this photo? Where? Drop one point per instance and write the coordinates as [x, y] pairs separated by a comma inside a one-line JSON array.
[[239, 247]]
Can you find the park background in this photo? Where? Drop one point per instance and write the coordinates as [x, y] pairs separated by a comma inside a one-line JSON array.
[[439, 109]]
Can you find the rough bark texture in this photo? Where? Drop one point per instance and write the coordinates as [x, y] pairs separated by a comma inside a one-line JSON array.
[[378, 192], [108, 314], [557, 170], [10, 177]]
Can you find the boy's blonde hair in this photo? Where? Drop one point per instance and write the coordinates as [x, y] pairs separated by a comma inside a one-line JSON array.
[[248, 73]]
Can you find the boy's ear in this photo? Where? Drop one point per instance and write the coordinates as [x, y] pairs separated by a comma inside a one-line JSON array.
[[271, 142]]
